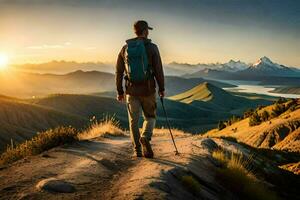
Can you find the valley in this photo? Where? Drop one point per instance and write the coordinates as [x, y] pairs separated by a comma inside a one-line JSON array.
[[214, 120]]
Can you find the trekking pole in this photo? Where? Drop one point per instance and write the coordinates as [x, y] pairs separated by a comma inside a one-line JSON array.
[[168, 123]]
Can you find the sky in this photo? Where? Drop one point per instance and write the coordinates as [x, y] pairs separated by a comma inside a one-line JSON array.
[[186, 31]]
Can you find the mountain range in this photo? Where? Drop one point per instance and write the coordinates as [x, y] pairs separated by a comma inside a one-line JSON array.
[[28, 85], [260, 70]]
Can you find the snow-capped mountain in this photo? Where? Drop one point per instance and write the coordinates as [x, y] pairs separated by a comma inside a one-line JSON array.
[[233, 69], [234, 66], [265, 63], [175, 68], [265, 67]]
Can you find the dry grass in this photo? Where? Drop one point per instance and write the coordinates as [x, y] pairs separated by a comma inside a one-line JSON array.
[[59, 136], [238, 178], [220, 156], [39, 143], [109, 126], [165, 131], [293, 167]]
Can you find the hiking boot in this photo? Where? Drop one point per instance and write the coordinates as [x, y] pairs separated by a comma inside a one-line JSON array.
[[146, 146]]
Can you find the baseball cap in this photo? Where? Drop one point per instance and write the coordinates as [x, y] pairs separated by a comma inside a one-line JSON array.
[[141, 25]]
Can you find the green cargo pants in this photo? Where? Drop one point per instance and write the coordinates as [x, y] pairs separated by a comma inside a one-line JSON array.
[[136, 104]]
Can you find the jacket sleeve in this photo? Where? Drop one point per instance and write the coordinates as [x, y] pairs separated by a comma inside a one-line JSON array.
[[120, 68], [158, 69]]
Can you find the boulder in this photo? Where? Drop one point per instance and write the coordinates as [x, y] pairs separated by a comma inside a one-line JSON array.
[[209, 144], [55, 185]]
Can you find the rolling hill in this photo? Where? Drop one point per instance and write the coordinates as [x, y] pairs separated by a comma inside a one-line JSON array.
[[85, 106], [211, 97], [27, 85], [183, 116], [21, 120], [196, 110]]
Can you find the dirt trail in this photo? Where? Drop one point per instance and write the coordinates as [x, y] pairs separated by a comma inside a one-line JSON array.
[[105, 169]]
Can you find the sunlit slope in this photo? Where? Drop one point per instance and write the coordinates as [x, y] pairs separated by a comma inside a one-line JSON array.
[[84, 105], [20, 120], [281, 133], [25, 85], [199, 93], [209, 96]]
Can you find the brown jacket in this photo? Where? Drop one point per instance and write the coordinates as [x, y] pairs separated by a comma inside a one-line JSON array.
[[148, 87]]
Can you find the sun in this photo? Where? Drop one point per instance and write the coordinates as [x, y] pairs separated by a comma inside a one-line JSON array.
[[3, 61]]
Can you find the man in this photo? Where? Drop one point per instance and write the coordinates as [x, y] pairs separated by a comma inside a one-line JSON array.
[[139, 60]]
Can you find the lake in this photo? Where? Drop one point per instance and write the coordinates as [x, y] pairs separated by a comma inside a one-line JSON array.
[[253, 87]]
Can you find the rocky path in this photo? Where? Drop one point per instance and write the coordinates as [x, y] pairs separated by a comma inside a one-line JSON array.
[[105, 169]]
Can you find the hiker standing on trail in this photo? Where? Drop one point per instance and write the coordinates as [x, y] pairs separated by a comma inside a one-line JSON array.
[[140, 61]]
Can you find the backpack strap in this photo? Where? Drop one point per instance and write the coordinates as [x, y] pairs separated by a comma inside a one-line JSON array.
[[147, 46]]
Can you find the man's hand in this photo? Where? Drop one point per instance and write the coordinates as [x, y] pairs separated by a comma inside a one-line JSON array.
[[161, 94], [121, 98]]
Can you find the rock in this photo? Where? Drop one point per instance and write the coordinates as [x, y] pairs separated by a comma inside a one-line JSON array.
[[55, 185], [209, 144], [46, 156], [162, 186]]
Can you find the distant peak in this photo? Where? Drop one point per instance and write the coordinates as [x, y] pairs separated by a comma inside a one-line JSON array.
[[232, 61], [263, 60], [77, 72], [207, 85]]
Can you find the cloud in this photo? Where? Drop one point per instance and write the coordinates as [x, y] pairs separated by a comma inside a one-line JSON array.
[[52, 46]]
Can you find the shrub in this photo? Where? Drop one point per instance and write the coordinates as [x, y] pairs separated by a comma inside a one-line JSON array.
[[229, 138], [221, 125], [281, 100], [236, 176], [39, 143], [264, 115], [234, 119], [254, 119], [259, 107], [248, 113], [278, 110], [292, 105]]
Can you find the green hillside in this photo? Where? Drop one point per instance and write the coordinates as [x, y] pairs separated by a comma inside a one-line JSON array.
[[208, 96], [183, 116], [85, 106]]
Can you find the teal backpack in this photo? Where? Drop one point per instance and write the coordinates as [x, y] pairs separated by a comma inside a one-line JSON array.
[[136, 61]]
